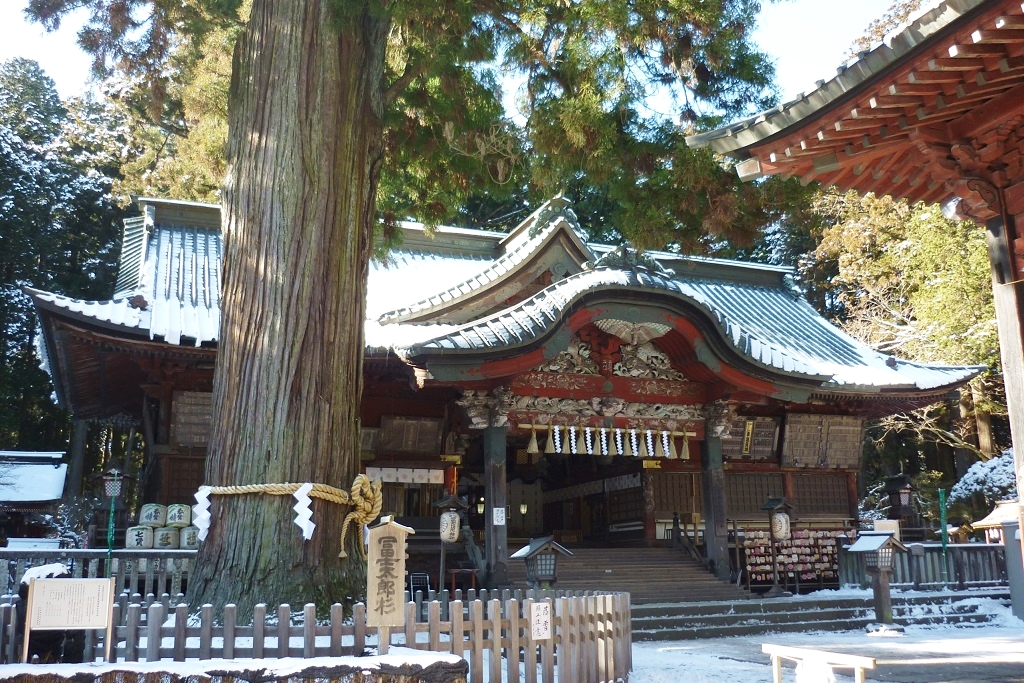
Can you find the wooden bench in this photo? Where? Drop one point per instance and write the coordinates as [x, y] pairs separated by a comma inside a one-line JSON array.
[[799, 654]]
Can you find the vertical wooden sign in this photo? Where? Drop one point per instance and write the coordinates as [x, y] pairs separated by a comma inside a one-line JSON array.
[[385, 579]]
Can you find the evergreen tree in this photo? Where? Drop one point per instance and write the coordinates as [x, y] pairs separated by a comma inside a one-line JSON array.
[[58, 231], [912, 283], [325, 96]]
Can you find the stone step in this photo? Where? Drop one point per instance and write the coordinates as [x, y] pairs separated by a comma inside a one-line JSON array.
[[688, 621]]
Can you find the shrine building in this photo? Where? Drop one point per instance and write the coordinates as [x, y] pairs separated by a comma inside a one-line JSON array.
[[934, 113], [564, 387]]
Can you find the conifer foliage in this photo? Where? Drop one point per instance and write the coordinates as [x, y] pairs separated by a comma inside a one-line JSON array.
[[58, 231], [343, 109]]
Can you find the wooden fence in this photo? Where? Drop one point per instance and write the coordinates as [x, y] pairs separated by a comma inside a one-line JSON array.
[[967, 565], [590, 643], [138, 572]]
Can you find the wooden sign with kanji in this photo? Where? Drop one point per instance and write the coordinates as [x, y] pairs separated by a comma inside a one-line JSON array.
[[385, 574]]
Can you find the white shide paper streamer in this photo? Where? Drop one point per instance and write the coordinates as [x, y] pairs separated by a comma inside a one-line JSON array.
[[303, 513]]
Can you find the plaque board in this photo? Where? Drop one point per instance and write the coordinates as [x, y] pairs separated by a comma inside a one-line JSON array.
[[191, 417], [752, 438], [540, 620], [822, 441], [498, 516], [63, 604], [410, 435]]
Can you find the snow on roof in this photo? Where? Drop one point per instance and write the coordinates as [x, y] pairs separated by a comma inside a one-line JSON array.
[[1005, 511], [769, 325], [31, 476], [921, 26], [177, 297]]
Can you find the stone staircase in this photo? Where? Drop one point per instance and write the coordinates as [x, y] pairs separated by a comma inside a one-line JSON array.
[[684, 621], [648, 574]]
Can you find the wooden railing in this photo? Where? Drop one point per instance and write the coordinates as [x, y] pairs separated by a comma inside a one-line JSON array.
[[967, 565], [138, 572], [590, 643]]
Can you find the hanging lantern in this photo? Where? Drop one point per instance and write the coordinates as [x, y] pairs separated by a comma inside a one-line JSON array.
[[532, 447], [449, 526], [780, 526]]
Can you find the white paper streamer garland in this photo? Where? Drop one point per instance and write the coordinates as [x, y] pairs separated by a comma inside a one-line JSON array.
[[303, 513], [201, 512]]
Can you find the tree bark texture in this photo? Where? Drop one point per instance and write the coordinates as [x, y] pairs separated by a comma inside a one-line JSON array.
[[304, 154]]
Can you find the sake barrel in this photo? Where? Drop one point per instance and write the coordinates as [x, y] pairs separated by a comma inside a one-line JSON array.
[[189, 538], [165, 538], [138, 538], [179, 515], [153, 514]]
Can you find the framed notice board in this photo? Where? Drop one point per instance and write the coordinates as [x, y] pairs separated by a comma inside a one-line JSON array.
[[69, 604]]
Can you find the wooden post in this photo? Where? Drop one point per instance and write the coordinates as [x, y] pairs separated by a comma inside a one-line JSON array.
[[650, 521], [716, 539], [76, 461], [883, 600], [495, 495], [1008, 298], [852, 496]]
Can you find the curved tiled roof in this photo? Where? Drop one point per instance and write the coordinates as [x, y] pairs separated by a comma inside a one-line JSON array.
[[519, 246], [926, 23], [769, 326]]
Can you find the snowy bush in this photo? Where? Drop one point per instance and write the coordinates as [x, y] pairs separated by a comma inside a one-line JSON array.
[[994, 479]]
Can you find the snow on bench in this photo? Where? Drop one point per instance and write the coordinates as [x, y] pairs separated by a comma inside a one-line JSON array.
[[816, 660]]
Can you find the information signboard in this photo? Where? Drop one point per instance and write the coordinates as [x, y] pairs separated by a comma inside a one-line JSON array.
[[65, 604]]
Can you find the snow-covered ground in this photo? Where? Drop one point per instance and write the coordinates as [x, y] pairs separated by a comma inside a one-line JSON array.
[[993, 652], [988, 653]]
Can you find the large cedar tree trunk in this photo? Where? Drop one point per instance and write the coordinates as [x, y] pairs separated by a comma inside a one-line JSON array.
[[304, 152]]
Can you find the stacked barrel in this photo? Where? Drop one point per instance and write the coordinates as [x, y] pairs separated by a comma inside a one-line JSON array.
[[163, 527]]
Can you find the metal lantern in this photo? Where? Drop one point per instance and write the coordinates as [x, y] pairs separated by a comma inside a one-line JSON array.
[[480, 507], [113, 483], [449, 526]]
